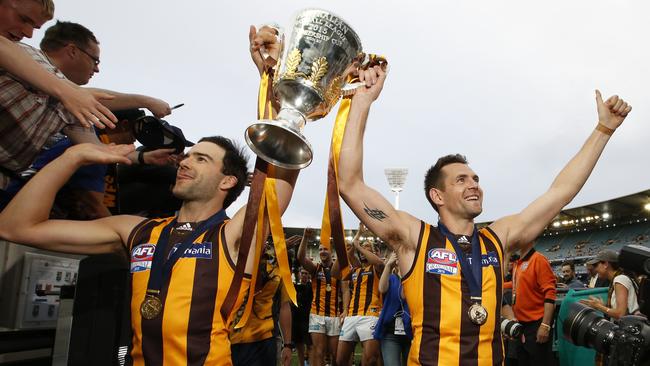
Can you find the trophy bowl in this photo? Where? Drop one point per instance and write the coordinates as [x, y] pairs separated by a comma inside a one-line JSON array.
[[321, 53]]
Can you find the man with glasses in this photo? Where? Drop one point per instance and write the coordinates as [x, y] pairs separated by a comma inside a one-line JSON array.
[[70, 51], [18, 19]]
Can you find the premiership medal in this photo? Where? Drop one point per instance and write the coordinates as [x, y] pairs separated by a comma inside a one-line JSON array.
[[328, 288], [477, 314], [161, 269], [471, 268], [151, 307]]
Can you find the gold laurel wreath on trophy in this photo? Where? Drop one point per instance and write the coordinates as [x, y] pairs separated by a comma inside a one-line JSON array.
[[318, 68]]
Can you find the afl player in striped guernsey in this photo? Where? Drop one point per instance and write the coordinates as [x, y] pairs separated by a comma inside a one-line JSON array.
[[175, 314], [453, 272], [361, 302], [324, 322]]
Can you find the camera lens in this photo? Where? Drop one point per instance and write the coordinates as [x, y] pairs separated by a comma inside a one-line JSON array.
[[511, 328], [585, 327]]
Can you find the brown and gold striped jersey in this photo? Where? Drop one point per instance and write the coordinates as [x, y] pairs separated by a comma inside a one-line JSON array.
[[438, 297], [327, 293], [364, 288], [260, 324], [190, 330]]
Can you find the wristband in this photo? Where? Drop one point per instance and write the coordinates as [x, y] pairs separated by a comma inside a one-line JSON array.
[[289, 345], [141, 157], [545, 326], [604, 129]]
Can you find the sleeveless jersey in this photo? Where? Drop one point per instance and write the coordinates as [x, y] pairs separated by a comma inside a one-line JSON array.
[[438, 297], [190, 330], [365, 298], [326, 303], [260, 324]]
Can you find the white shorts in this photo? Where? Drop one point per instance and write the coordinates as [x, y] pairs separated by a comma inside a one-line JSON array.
[[329, 325], [358, 328]]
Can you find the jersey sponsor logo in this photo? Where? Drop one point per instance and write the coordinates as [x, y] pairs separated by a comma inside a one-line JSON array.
[[488, 259], [141, 257], [441, 261], [197, 250]]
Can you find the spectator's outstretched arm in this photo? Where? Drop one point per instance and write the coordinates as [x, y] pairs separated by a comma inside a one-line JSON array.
[[26, 219], [384, 280], [160, 157], [398, 229], [83, 104], [524, 227], [120, 101]]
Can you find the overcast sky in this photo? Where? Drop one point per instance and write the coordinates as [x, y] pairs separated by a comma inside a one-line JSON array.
[[508, 83]]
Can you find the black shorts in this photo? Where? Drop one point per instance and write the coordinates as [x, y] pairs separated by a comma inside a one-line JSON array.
[[261, 353], [300, 331]]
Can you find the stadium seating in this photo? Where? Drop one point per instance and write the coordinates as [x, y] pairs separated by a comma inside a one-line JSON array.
[[583, 244]]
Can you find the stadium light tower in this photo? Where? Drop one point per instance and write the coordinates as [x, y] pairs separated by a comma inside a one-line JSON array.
[[396, 179]]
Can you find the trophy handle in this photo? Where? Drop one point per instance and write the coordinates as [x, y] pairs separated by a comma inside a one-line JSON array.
[[366, 61]]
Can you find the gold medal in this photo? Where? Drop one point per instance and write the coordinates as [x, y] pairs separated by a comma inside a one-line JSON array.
[[328, 288], [477, 314], [151, 307]]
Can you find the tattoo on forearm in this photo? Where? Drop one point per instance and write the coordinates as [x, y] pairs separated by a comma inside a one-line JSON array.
[[375, 213]]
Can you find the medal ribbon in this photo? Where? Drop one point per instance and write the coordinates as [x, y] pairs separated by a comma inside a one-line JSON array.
[[259, 243], [160, 269], [473, 270], [267, 203], [332, 224], [279, 241]]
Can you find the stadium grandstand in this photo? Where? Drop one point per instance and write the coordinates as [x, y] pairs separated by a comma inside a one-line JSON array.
[[579, 233]]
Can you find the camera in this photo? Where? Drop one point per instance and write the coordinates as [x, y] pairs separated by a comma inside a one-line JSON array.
[[626, 341], [511, 328]]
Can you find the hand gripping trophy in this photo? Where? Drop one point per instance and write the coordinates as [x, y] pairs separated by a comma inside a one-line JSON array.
[[317, 67]]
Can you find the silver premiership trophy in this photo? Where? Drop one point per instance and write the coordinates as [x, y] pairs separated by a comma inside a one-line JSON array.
[[321, 53]]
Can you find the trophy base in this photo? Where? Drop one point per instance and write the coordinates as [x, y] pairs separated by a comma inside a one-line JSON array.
[[279, 145]]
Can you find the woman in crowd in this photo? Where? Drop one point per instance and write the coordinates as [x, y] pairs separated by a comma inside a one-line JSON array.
[[394, 326], [622, 294]]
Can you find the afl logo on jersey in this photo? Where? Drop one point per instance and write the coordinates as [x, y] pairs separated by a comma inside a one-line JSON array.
[[441, 261], [141, 257]]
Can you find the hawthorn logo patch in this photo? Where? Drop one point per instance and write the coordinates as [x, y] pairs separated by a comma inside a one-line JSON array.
[[441, 261]]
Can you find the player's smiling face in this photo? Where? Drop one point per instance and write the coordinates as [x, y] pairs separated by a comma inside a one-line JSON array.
[[462, 194]]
